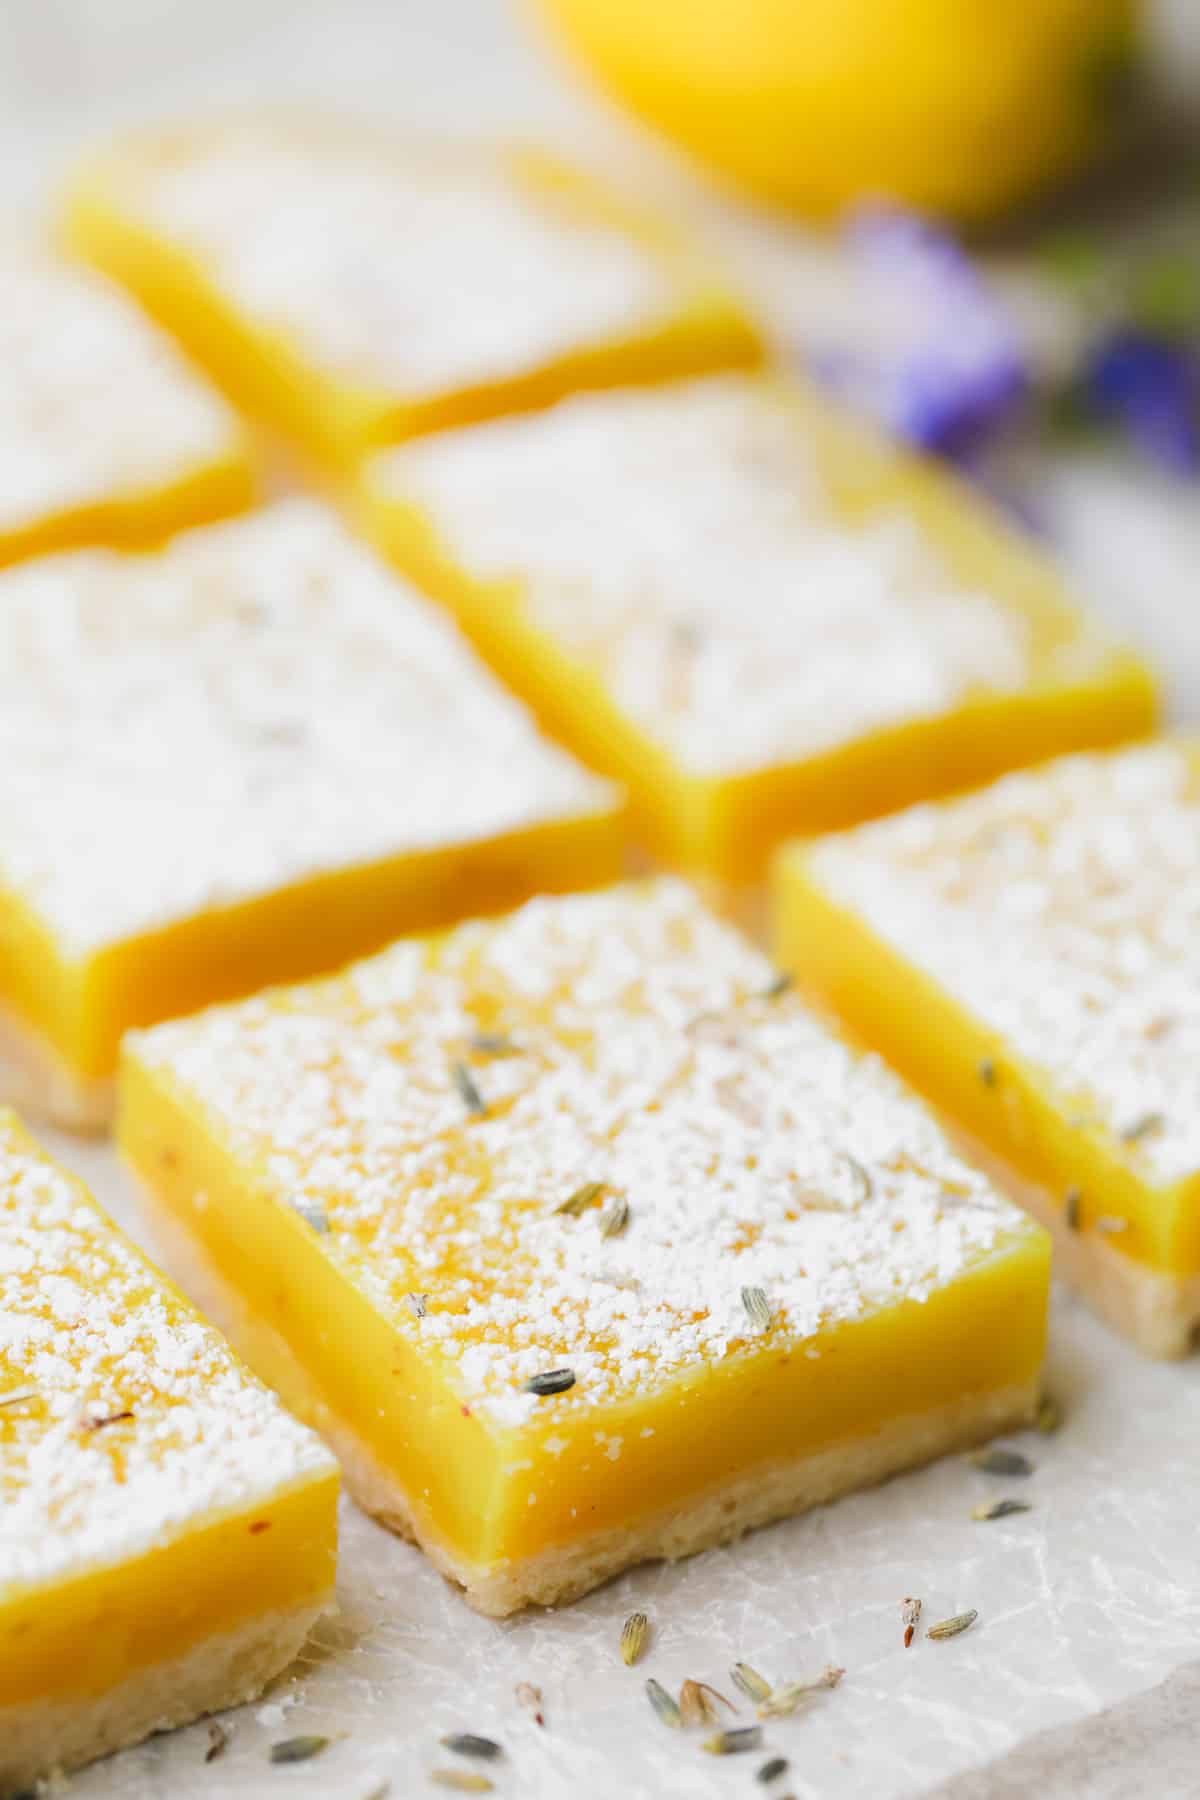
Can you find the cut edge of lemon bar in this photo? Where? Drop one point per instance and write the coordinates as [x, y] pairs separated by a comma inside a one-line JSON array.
[[693, 324], [289, 876], [1125, 1223], [557, 1576], [740, 1416], [170, 1534], [166, 454], [701, 802], [37, 1074], [143, 518], [38, 1081]]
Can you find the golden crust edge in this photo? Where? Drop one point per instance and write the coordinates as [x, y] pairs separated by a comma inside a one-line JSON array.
[[1155, 1310], [38, 1083], [225, 1669], [563, 1573]]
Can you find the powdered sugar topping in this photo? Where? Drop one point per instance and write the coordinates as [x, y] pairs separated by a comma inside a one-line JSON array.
[[412, 269], [1062, 908], [684, 545], [260, 702], [629, 1040], [95, 404], [88, 1333]]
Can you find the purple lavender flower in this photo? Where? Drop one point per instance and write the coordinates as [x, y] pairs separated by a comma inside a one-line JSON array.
[[1151, 386], [948, 369]]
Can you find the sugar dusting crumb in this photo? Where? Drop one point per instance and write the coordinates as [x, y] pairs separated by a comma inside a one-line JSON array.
[[360, 249], [275, 1712], [1062, 908], [95, 404], [653, 1063], [258, 703], [87, 1326], [683, 545]]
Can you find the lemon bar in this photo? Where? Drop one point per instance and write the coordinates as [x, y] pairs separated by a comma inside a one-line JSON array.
[[106, 435], [245, 758], [632, 1253], [761, 619], [1029, 957], [169, 1534], [353, 288]]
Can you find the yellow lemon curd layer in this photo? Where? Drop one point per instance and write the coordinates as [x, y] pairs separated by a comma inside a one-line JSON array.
[[154, 1494], [1029, 957], [248, 758], [316, 269], [760, 617], [590, 1137], [106, 435]]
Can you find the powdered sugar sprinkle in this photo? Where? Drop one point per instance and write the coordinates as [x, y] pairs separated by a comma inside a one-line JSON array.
[[651, 1059], [1061, 907], [92, 1331], [685, 547], [95, 403], [411, 268], [258, 703]]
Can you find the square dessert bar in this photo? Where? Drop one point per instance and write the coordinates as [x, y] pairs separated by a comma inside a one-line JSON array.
[[245, 758], [168, 1535], [353, 288], [106, 435], [1029, 957], [581, 1241], [763, 619]]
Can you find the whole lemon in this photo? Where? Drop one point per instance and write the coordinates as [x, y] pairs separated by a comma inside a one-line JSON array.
[[959, 107]]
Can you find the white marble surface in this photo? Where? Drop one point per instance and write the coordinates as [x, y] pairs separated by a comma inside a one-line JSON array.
[[1080, 1678]]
